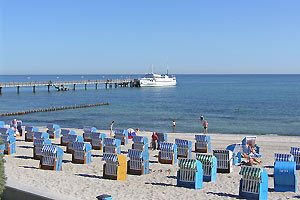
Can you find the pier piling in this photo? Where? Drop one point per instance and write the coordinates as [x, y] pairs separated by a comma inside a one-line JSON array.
[[18, 89], [33, 89], [85, 86]]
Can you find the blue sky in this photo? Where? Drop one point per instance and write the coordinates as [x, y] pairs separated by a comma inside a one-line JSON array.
[[96, 37]]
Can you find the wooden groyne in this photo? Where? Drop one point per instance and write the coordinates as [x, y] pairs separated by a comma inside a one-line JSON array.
[[66, 85], [53, 109]]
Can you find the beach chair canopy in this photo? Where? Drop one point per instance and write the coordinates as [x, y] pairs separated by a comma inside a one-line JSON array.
[[284, 157], [110, 157], [49, 149], [89, 129], [140, 139], [53, 126], [204, 158], [181, 142], [185, 163], [31, 129], [295, 150], [251, 171], [135, 153], [202, 137], [167, 146]]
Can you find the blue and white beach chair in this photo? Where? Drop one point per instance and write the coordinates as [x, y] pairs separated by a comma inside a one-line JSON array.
[[162, 137], [167, 153], [64, 136], [209, 164], [295, 151], [285, 176], [112, 145], [29, 130], [224, 160], [97, 140], [82, 152], [184, 148], [10, 143], [140, 143], [254, 183], [52, 157], [121, 135], [70, 140], [38, 145], [190, 173], [138, 163], [203, 143], [53, 130], [87, 133]]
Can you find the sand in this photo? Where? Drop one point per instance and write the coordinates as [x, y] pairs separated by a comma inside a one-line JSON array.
[[77, 181]]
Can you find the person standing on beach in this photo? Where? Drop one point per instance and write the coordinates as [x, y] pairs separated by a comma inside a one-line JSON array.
[[154, 140], [111, 127], [174, 126], [205, 126]]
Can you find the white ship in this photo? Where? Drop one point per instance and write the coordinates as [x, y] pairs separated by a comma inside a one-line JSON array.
[[157, 80]]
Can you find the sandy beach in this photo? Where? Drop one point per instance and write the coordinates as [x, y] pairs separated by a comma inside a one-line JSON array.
[[77, 181]]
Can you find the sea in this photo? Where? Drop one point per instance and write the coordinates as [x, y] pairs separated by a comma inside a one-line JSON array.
[[235, 104]]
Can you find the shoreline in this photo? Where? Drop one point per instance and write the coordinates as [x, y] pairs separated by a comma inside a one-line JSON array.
[[86, 181]]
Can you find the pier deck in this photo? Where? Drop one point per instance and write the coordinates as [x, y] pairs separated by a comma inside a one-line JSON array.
[[64, 85]]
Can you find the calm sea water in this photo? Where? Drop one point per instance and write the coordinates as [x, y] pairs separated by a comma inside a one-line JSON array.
[[252, 104]]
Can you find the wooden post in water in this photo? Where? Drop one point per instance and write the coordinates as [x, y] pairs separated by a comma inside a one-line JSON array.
[[74, 86], [96, 86], [0, 90], [33, 89], [116, 85], [85, 86], [48, 88], [18, 89]]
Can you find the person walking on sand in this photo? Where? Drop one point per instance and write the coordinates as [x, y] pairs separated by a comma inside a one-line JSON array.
[[111, 127], [174, 126], [205, 126]]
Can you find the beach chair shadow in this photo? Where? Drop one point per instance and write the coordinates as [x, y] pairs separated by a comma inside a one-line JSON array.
[[124, 152], [269, 167], [25, 147], [24, 157], [271, 190], [28, 167], [161, 184], [271, 175], [172, 177], [90, 176], [20, 140], [97, 156], [297, 197], [66, 161], [153, 161], [222, 194]]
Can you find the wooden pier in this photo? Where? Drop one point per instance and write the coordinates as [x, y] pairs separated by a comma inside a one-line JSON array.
[[66, 85]]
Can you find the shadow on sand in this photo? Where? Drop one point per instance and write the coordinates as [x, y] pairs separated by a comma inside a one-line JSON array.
[[25, 147], [161, 184], [24, 157], [222, 194], [90, 176], [28, 167]]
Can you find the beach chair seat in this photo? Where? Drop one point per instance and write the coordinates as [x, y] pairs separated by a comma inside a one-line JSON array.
[[121, 135], [10, 144], [29, 130], [97, 140], [184, 148], [203, 143], [295, 151], [190, 173], [115, 166], [285, 176], [53, 130], [87, 133], [112, 145], [82, 152], [167, 153], [254, 183], [140, 143], [138, 163], [38, 145], [209, 164], [224, 160], [52, 157]]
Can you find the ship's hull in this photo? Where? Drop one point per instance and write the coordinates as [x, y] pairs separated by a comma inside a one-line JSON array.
[[148, 83]]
